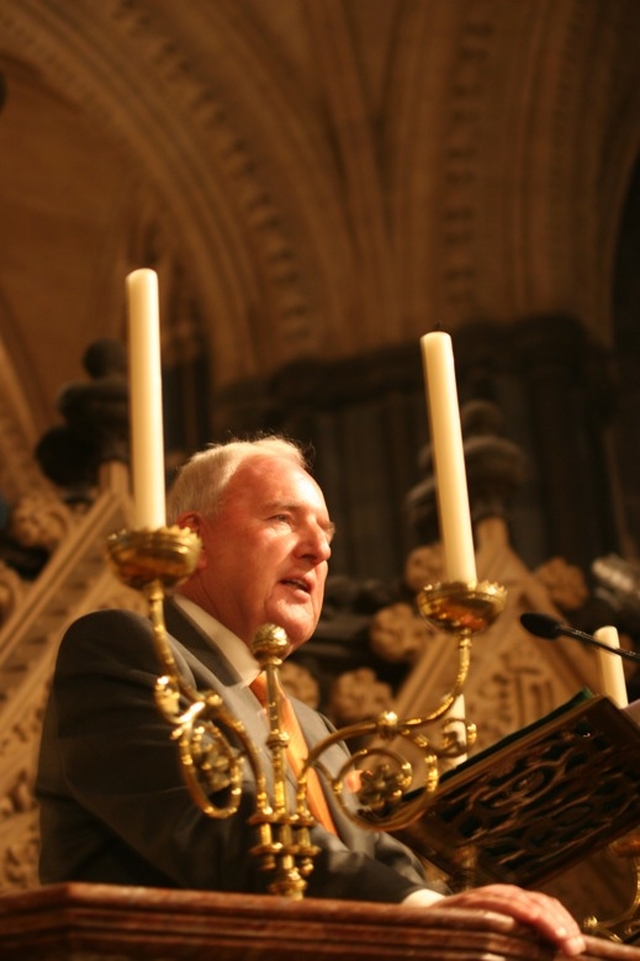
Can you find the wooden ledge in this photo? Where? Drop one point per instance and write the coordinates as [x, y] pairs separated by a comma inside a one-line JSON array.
[[96, 922]]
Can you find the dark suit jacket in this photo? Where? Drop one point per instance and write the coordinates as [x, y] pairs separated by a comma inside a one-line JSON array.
[[114, 805]]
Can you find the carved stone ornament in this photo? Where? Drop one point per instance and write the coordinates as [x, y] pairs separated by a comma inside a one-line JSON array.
[[40, 520]]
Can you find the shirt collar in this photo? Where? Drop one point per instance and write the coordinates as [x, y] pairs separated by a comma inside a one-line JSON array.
[[221, 639]]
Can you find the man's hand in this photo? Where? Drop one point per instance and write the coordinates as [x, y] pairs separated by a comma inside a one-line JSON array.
[[549, 917]]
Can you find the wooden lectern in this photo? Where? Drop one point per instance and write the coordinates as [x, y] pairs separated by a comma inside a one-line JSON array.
[[85, 922], [579, 769]]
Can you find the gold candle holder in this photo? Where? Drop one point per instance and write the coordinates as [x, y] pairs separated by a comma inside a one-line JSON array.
[[374, 787], [464, 611]]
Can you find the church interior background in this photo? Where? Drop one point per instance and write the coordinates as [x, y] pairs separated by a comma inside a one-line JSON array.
[[318, 183]]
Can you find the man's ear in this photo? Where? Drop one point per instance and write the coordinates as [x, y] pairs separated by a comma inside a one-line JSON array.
[[193, 520], [190, 519]]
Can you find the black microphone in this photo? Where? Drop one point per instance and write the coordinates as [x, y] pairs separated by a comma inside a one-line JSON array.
[[548, 627]]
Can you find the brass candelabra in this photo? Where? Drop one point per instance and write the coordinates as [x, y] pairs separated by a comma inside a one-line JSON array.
[[214, 745]]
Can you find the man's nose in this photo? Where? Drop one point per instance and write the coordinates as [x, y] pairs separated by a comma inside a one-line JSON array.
[[315, 542]]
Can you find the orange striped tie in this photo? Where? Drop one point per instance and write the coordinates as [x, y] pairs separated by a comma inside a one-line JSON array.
[[297, 752]]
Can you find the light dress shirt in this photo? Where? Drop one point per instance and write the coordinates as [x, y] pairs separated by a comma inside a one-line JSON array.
[[221, 639]]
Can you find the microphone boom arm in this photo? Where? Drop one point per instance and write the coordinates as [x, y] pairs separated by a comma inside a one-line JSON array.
[[549, 628]]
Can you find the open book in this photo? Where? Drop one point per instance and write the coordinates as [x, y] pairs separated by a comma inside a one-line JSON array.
[[540, 800]]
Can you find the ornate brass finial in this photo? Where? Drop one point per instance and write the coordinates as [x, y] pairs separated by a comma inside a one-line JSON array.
[[270, 645]]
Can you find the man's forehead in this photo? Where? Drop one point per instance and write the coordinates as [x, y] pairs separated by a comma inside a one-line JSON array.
[[270, 479], [266, 465]]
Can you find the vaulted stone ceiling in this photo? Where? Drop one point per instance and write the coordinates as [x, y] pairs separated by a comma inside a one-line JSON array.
[[322, 176]]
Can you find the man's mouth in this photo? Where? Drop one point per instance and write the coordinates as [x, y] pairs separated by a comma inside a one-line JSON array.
[[300, 583]]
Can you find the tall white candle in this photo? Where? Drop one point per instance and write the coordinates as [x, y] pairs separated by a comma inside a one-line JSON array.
[[456, 531], [145, 385], [610, 668]]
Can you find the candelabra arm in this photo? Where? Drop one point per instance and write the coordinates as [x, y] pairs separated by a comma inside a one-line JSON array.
[[210, 763], [385, 796], [447, 702], [373, 795]]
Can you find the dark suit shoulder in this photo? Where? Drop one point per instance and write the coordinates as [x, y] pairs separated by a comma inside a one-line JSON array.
[[107, 618], [103, 640], [110, 627], [115, 642]]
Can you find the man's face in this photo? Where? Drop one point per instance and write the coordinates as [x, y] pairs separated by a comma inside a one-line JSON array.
[[265, 555]]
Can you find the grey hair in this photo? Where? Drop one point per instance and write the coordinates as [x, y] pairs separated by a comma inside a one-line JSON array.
[[202, 480]]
